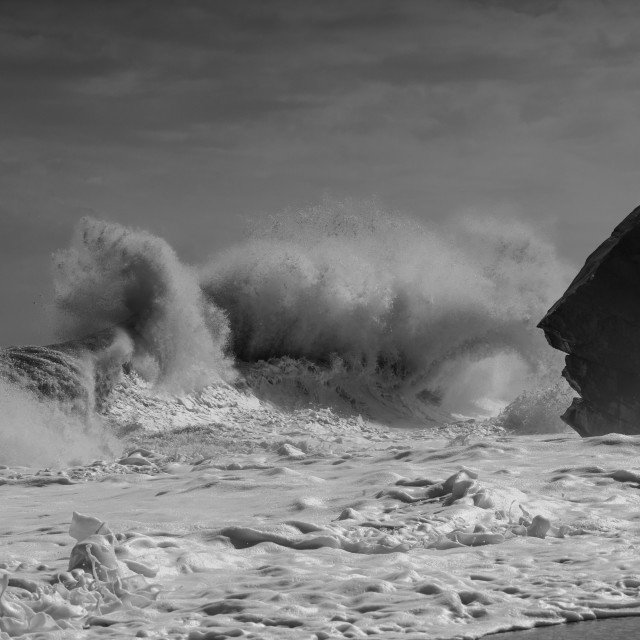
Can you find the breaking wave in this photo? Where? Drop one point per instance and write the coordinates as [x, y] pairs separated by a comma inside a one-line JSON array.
[[442, 316], [387, 296], [115, 276]]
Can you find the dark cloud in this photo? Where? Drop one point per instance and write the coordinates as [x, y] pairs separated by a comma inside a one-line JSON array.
[[533, 8], [95, 69], [433, 66], [110, 70], [611, 50]]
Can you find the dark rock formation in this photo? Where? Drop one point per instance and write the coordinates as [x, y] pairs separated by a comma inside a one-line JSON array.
[[597, 323]]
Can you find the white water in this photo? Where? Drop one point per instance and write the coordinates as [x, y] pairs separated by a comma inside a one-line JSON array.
[[299, 497], [239, 518]]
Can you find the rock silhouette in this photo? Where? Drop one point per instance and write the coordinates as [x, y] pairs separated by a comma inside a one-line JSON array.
[[597, 324]]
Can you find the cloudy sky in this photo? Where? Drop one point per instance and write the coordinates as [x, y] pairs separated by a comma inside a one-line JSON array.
[[185, 118]]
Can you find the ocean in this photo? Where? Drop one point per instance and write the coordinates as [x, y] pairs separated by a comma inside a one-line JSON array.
[[346, 426]]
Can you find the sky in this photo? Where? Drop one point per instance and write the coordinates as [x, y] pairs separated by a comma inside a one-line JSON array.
[[190, 118]]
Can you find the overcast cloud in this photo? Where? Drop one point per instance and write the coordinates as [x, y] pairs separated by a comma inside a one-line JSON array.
[[184, 118]]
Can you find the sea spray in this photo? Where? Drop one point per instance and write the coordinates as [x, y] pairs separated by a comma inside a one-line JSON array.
[[113, 275], [391, 297], [538, 410], [37, 431]]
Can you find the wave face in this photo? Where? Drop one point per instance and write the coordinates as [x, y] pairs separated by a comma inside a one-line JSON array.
[[387, 296]]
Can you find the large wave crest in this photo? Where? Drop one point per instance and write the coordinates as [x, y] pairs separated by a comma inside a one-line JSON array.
[[393, 298]]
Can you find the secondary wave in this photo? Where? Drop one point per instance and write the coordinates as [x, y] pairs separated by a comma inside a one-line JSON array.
[[115, 276]]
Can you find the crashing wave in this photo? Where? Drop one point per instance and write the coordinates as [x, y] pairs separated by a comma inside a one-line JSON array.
[[356, 308]]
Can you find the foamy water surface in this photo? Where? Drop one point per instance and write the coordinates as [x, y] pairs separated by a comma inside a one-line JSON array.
[[328, 492], [234, 518]]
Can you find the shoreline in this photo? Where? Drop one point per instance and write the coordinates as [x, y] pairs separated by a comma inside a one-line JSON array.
[[615, 628]]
